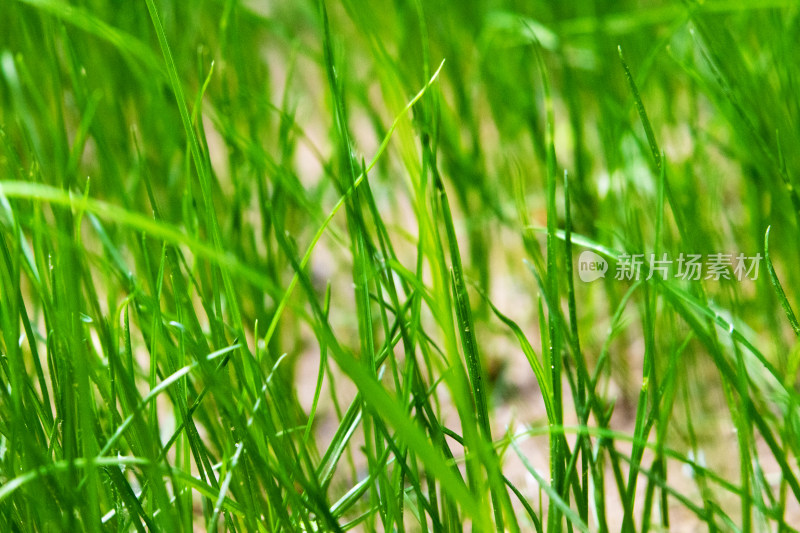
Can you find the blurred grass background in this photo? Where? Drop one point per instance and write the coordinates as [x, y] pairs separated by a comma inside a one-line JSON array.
[[310, 266]]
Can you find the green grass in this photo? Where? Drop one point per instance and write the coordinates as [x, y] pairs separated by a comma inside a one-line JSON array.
[[314, 266]]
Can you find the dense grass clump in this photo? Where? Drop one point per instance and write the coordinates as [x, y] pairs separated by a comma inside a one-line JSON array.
[[322, 266]]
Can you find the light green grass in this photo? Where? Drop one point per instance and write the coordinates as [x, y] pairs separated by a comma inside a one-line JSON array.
[[314, 266]]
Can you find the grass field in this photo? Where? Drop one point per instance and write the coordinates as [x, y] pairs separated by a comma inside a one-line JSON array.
[[399, 266]]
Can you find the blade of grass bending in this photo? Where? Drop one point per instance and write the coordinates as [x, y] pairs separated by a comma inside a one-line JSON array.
[[648, 129], [773, 278], [129, 500], [794, 357], [656, 153], [158, 389], [533, 359], [157, 229], [321, 231], [323, 358], [555, 498], [12, 485]]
